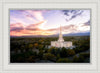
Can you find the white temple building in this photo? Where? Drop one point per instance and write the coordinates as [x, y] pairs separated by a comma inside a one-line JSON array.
[[61, 43]]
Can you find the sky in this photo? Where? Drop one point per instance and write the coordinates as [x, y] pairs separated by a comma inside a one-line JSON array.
[[47, 22]]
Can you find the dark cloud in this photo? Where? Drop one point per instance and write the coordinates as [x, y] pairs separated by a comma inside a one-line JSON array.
[[75, 15], [72, 13], [17, 29], [34, 29], [87, 23], [29, 16]]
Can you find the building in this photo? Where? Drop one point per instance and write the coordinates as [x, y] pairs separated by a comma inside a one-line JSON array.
[[61, 43]]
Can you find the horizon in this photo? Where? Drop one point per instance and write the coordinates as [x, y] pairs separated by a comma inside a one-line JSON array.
[[57, 36], [47, 22]]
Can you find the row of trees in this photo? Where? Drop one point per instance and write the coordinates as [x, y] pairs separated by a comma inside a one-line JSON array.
[[27, 47], [53, 54]]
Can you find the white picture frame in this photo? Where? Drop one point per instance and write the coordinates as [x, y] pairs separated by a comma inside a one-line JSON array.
[[93, 66]]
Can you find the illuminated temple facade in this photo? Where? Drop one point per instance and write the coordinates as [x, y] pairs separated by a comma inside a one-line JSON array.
[[61, 43]]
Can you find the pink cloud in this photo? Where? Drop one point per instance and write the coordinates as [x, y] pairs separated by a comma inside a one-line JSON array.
[[17, 20], [30, 17], [32, 29], [34, 26], [38, 15], [16, 27]]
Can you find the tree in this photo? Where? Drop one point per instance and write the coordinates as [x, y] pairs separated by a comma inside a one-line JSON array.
[[40, 47], [40, 54], [75, 59], [51, 50], [58, 56], [30, 46], [46, 50], [63, 60], [41, 41], [70, 52], [81, 58], [49, 56], [23, 48], [54, 50], [86, 55], [31, 59], [36, 45], [16, 50], [63, 52]]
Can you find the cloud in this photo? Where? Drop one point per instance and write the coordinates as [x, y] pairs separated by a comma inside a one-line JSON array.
[[34, 26], [71, 14], [16, 27], [87, 23], [31, 29], [27, 16], [72, 28], [31, 18], [69, 29], [37, 26], [12, 18], [36, 14], [36, 31]]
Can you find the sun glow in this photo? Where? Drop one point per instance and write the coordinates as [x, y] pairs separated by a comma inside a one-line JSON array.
[[39, 22]]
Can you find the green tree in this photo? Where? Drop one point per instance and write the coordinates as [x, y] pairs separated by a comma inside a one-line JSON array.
[[58, 56], [40, 47], [30, 46], [63, 52], [75, 59], [16, 50], [70, 52], [23, 48], [49, 56], [81, 58], [63, 60], [40, 54], [86, 55]]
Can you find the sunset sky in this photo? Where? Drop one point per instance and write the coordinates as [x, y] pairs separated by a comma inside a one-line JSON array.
[[47, 22]]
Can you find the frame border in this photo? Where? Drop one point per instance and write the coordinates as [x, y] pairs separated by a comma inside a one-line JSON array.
[[98, 6]]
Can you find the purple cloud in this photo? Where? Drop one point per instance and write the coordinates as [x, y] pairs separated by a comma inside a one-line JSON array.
[[17, 29], [72, 14], [87, 23]]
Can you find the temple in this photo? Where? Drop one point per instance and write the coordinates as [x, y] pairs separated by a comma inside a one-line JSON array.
[[61, 43]]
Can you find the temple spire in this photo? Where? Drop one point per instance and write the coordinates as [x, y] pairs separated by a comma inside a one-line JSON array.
[[60, 36]]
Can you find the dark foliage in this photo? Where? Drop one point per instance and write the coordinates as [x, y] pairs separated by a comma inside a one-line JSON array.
[[36, 49]]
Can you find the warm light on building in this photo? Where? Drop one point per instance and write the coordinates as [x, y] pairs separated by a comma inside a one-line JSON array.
[[61, 42]]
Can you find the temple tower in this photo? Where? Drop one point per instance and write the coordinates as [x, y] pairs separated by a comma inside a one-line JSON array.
[[61, 43], [60, 36]]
